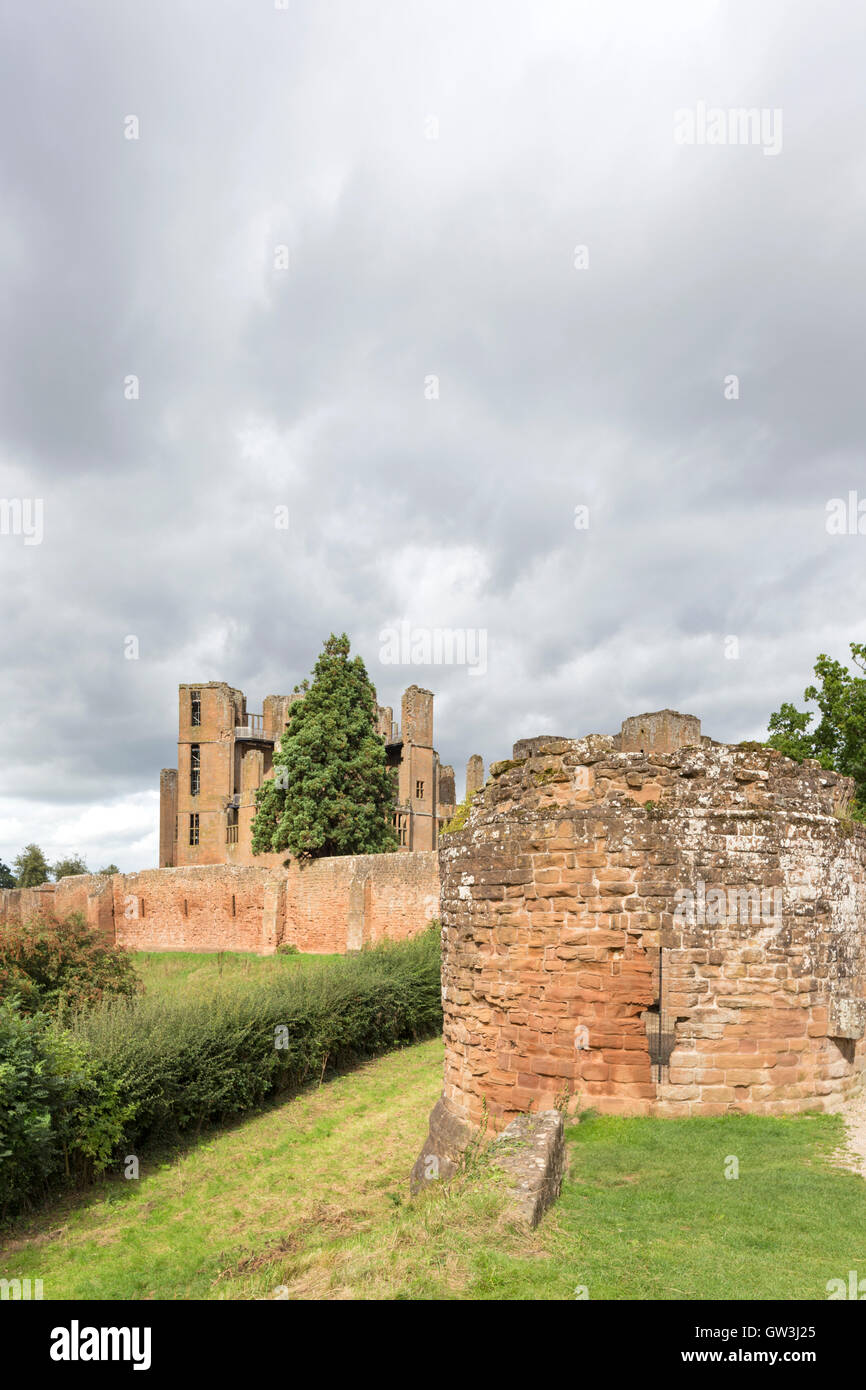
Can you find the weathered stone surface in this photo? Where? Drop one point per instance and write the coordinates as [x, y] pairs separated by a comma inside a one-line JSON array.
[[547, 743], [847, 1018], [581, 870], [446, 1140], [531, 1150], [662, 732]]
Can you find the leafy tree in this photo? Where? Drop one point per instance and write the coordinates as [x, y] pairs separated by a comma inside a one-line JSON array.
[[332, 791], [109, 869], [31, 868], [838, 740], [7, 878], [66, 867]]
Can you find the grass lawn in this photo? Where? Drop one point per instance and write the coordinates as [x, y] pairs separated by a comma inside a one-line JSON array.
[[311, 1196], [175, 974]]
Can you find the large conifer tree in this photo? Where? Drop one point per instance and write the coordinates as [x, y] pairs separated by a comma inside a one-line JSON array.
[[331, 792]]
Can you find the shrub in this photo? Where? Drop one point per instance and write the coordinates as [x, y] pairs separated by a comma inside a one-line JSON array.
[[61, 1116], [57, 966]]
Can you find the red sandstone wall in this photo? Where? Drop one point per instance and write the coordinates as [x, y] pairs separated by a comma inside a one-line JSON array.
[[89, 894], [22, 905], [329, 905], [197, 908], [345, 903], [92, 896]]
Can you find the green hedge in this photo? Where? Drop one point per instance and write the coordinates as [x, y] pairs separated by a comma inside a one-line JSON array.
[[166, 1066], [61, 1114]]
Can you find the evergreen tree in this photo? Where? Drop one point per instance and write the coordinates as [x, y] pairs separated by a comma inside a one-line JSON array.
[[7, 878], [332, 792], [31, 868]]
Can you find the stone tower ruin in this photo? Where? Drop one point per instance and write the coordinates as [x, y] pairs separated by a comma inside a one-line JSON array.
[[650, 923]]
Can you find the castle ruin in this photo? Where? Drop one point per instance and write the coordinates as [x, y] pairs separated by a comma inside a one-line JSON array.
[[650, 923], [225, 752]]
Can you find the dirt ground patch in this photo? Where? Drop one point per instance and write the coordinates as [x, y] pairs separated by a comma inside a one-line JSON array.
[[853, 1155]]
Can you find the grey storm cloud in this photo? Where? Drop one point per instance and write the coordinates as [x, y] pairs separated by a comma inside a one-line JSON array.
[[428, 172]]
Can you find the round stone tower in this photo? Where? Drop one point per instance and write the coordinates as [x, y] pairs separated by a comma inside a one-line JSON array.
[[651, 923]]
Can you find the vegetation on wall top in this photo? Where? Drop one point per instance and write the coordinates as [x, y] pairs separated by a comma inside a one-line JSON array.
[[838, 740]]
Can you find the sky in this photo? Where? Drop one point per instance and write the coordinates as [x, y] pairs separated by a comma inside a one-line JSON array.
[[377, 316]]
